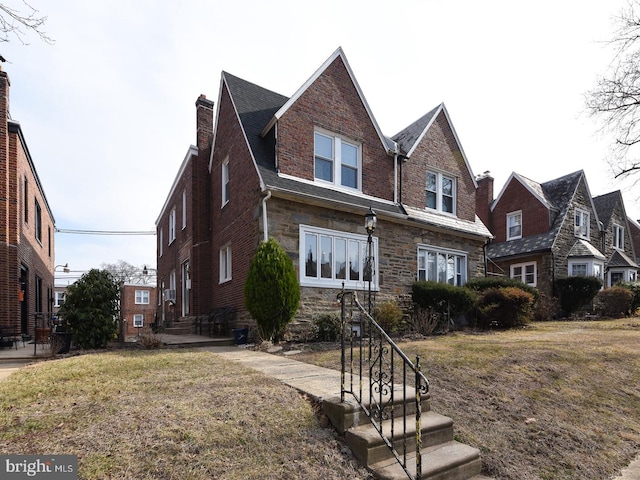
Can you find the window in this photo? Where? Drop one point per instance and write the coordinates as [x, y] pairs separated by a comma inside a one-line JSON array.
[[618, 237], [49, 240], [581, 226], [184, 209], [172, 225], [525, 272], [38, 222], [142, 297], [26, 200], [337, 160], [138, 320], [160, 241], [514, 225], [225, 182], [440, 192], [225, 264], [586, 268], [328, 258], [38, 294], [443, 266], [58, 299]]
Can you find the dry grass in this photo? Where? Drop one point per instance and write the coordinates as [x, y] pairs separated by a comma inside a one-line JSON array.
[[557, 400], [167, 415]]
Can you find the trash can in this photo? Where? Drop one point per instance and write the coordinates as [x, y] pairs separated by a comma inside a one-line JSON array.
[[240, 335], [62, 341]]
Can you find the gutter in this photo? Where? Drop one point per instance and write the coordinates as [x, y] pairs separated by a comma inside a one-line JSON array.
[[264, 216]]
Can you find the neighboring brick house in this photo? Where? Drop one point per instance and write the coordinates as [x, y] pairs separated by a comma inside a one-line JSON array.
[[26, 230], [617, 243], [137, 308], [305, 170], [545, 231]]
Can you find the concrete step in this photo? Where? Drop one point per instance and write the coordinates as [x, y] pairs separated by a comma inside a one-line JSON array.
[[448, 461], [369, 448]]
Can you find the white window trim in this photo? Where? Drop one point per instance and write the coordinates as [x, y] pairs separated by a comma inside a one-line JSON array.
[[336, 141], [439, 194], [161, 242], [184, 209], [523, 276], [144, 297], [591, 263], [59, 298], [225, 264], [577, 229], [335, 282], [514, 215], [172, 226], [618, 238], [225, 192], [443, 251], [138, 320]]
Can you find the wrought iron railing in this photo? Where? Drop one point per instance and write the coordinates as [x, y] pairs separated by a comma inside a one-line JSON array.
[[377, 373]]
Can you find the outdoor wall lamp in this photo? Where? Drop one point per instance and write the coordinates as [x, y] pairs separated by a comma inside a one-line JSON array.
[[65, 268]]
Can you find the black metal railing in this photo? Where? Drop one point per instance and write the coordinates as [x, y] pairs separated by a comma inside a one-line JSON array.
[[382, 380]]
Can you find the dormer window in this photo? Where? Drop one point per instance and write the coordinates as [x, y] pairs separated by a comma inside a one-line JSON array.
[[581, 225], [441, 192], [337, 160], [514, 225], [618, 237]]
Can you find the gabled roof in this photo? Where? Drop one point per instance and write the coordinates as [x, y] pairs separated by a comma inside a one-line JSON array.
[[584, 249], [388, 145], [533, 187], [256, 108], [409, 138], [621, 260], [557, 195]]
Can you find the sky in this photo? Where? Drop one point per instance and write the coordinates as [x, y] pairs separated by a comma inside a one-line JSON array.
[[108, 109]]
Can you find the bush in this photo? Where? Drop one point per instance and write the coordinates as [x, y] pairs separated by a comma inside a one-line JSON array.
[[388, 316], [91, 309], [614, 302], [437, 303], [272, 291], [546, 308], [504, 307], [634, 288], [484, 283], [327, 327], [576, 292]]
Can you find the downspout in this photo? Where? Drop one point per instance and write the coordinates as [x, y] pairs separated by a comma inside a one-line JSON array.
[[553, 273], [395, 177], [484, 253], [264, 216]]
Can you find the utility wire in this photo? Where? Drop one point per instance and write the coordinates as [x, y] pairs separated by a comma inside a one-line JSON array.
[[105, 232]]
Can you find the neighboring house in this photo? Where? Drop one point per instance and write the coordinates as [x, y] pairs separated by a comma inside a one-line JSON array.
[[634, 231], [617, 244], [137, 308], [545, 231], [26, 230], [305, 170], [59, 295]]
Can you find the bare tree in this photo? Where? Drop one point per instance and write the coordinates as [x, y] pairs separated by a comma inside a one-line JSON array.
[[18, 23], [616, 98], [125, 273]]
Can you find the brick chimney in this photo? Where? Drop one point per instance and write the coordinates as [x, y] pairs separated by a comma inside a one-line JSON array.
[[204, 122], [484, 197]]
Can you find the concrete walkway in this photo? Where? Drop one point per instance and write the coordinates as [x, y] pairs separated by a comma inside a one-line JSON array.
[[317, 382]]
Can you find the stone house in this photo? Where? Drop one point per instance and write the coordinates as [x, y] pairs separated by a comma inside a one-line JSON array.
[[545, 231], [27, 230], [305, 170]]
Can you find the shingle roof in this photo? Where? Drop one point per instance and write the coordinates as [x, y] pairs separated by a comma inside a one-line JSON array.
[[621, 259], [558, 193], [407, 137], [605, 204], [256, 106], [582, 248]]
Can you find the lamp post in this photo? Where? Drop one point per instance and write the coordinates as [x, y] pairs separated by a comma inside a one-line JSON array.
[[370, 221]]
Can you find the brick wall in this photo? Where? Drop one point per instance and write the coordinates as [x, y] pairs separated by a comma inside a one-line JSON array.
[[516, 197], [18, 243], [332, 103], [439, 151], [129, 307]]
